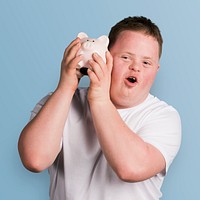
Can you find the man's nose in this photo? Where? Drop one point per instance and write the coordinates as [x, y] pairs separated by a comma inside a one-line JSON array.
[[135, 67]]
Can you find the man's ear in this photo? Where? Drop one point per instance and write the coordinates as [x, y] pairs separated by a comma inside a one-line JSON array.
[[158, 67]]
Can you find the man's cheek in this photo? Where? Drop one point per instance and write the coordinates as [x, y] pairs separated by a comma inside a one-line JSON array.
[[148, 81]]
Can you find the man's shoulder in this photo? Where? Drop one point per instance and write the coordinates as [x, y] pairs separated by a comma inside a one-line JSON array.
[[157, 104]]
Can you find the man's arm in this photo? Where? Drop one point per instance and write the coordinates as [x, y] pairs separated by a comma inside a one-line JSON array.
[[130, 157], [39, 142]]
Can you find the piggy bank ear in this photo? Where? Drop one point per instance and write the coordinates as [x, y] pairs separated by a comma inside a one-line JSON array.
[[104, 39], [82, 35]]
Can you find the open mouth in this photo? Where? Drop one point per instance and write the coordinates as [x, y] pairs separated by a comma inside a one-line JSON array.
[[132, 79]]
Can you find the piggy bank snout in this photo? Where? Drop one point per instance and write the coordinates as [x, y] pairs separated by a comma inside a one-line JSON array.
[[88, 45]]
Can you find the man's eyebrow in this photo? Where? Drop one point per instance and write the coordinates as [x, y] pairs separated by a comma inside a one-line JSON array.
[[129, 53], [147, 57], [143, 57]]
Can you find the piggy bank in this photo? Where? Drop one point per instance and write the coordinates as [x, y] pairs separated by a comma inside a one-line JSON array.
[[88, 47]]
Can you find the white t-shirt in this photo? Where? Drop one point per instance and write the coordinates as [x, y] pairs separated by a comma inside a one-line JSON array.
[[81, 171]]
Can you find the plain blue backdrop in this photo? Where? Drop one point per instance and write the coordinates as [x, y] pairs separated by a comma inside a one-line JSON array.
[[33, 36]]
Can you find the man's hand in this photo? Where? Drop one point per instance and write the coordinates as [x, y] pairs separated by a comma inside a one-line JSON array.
[[100, 78], [68, 77]]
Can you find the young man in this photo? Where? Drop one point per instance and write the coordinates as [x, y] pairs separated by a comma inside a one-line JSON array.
[[113, 140]]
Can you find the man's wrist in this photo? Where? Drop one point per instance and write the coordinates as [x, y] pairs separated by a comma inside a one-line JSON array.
[[65, 91]]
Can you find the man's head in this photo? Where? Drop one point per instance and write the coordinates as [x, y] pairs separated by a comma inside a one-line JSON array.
[[135, 45], [138, 24]]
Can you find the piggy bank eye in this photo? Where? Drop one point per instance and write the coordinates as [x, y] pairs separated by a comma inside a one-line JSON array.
[[92, 40]]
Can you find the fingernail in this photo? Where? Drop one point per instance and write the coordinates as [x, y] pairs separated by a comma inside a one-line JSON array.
[[95, 55], [90, 61]]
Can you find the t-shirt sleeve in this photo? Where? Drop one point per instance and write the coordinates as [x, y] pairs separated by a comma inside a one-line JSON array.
[[163, 130], [39, 105]]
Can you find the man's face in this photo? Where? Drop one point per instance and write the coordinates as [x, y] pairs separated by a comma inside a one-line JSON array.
[[135, 65]]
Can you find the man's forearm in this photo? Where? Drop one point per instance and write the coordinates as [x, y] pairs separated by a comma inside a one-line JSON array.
[[131, 158]]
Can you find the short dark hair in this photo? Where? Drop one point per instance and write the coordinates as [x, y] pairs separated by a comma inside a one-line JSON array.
[[140, 24]]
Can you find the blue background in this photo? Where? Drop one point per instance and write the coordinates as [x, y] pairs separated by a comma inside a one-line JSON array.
[[33, 36]]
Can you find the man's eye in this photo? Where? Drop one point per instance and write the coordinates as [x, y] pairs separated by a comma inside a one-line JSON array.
[[125, 57], [146, 63]]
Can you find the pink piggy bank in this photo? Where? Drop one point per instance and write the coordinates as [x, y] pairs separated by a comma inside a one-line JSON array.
[[88, 47]]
